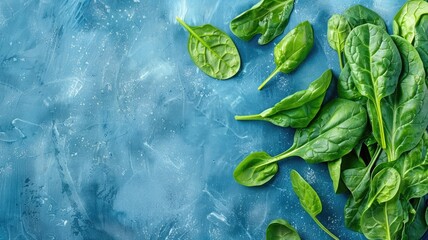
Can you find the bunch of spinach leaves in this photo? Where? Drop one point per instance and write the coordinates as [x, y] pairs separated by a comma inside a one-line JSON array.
[[383, 165]]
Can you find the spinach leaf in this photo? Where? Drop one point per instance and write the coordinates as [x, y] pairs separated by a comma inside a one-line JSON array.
[[416, 228], [357, 179], [255, 170], [383, 220], [334, 171], [292, 50], [408, 17], [405, 112], [413, 168], [384, 186], [375, 66], [212, 50], [337, 167], [358, 15], [426, 215], [334, 133], [353, 211], [338, 29], [346, 87], [309, 199], [298, 109], [279, 229], [421, 42], [268, 17]]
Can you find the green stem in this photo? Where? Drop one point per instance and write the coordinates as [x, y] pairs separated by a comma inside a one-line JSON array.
[[380, 121], [248, 117], [190, 30], [324, 228], [269, 78], [385, 212], [279, 157], [340, 59]]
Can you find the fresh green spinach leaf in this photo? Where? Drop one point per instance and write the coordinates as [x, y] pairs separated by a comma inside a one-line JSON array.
[[375, 66], [346, 87], [421, 42], [405, 112], [418, 226], [268, 17], [213, 51], [353, 211], [384, 186], [334, 133], [358, 15], [338, 29], [279, 229], [309, 199], [408, 17], [298, 109], [292, 50], [383, 220], [255, 170], [357, 179]]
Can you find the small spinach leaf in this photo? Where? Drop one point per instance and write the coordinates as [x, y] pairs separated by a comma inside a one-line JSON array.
[[268, 17], [255, 170], [408, 17], [292, 50], [213, 51], [375, 67], [338, 29], [309, 199], [358, 15], [279, 229], [346, 87], [298, 109], [384, 186]]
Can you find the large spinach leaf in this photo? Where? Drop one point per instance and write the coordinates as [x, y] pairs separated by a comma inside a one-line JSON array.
[[416, 228], [212, 50], [358, 15], [292, 50], [279, 229], [383, 220], [298, 109], [405, 112], [268, 17], [375, 66], [334, 133], [407, 18], [421, 42], [309, 199]]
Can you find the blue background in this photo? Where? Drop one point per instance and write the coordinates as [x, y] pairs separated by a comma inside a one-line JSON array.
[[109, 131]]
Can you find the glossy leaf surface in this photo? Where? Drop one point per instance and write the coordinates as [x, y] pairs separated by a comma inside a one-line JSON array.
[[384, 185], [308, 198], [255, 170], [358, 15], [279, 229], [375, 65], [407, 18], [268, 18], [421, 42], [405, 112], [213, 51], [298, 109], [383, 221], [292, 50], [338, 29]]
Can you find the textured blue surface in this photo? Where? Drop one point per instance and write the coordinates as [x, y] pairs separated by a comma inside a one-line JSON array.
[[109, 131]]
